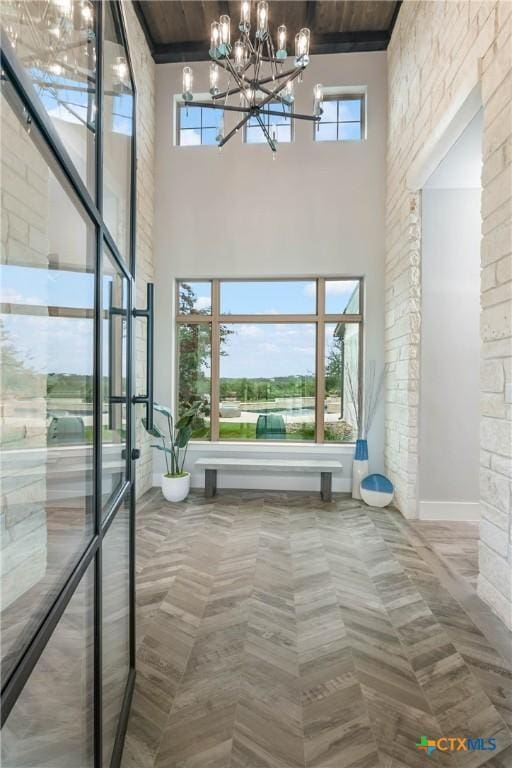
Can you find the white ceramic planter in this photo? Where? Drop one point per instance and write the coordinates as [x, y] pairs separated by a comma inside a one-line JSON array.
[[176, 488], [360, 467], [359, 471], [377, 490]]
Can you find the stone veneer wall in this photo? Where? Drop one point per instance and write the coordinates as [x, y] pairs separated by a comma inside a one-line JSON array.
[[435, 48], [144, 72]]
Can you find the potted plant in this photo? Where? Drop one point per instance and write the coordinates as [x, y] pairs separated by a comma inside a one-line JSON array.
[[175, 482]]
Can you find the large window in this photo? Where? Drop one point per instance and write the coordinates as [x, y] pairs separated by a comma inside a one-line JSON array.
[[47, 366], [342, 119], [270, 359], [67, 603]]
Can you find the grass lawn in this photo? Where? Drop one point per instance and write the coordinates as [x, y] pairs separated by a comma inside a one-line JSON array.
[[237, 431], [247, 431], [201, 432]]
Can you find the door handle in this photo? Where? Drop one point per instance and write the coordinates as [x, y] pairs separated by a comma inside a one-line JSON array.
[[113, 399], [135, 454], [148, 313]]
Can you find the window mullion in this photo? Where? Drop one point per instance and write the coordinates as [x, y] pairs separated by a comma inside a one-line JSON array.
[[360, 371], [320, 362], [215, 363]]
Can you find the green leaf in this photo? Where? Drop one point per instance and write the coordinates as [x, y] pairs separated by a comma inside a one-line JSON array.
[[183, 437], [188, 416], [162, 409], [185, 420], [154, 432], [161, 448]]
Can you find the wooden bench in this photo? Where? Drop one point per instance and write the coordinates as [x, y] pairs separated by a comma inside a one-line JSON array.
[[325, 468]]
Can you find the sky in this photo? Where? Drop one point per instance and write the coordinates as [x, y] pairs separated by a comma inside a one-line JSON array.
[[64, 345], [122, 103], [267, 349], [274, 297], [50, 344]]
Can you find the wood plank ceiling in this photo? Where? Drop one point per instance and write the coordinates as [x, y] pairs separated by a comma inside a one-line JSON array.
[[180, 31]]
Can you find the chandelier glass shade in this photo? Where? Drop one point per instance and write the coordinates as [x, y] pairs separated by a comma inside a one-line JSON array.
[[258, 83]]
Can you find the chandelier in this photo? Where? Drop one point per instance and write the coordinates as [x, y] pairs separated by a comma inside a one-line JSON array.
[[255, 72]]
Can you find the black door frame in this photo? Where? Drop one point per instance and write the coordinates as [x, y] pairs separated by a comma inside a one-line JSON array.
[[14, 72]]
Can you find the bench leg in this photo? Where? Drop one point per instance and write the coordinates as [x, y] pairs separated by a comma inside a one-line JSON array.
[[326, 486], [210, 483]]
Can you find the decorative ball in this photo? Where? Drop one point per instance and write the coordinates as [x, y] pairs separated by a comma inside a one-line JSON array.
[[377, 490]]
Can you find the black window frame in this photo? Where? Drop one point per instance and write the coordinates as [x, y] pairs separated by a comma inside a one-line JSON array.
[[57, 155]]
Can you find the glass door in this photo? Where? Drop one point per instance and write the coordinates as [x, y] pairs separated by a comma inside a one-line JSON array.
[[67, 399]]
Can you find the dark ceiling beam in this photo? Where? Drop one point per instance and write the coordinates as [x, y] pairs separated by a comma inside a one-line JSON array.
[[350, 42], [342, 42], [167, 53], [310, 14]]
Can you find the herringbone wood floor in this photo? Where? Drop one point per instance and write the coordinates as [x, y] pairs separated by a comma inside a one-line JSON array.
[[278, 631]]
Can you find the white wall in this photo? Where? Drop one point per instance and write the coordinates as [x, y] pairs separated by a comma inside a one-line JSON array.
[[317, 209], [450, 346], [449, 450]]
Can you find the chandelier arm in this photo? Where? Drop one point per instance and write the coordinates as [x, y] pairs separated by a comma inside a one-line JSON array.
[[235, 130], [239, 80], [230, 71], [271, 57], [264, 80], [280, 87], [271, 93], [261, 56], [293, 115], [225, 102], [267, 44], [228, 67], [225, 107], [246, 67], [266, 133], [220, 63], [280, 99], [295, 72], [247, 39], [225, 94], [248, 110], [257, 59], [234, 74]]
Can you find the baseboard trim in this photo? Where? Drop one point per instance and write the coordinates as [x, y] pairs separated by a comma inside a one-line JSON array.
[[449, 510]]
